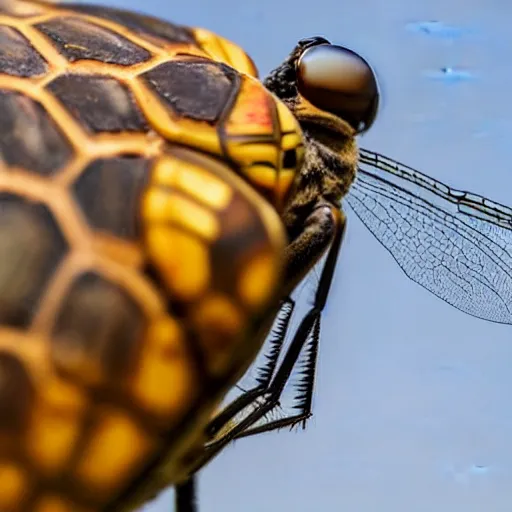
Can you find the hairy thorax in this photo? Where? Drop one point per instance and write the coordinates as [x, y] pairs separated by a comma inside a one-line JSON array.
[[329, 169]]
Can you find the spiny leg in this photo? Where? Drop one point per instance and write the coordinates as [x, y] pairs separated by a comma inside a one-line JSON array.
[[321, 230], [264, 374], [307, 336]]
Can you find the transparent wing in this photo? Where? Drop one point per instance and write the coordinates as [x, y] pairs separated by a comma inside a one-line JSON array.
[[456, 244]]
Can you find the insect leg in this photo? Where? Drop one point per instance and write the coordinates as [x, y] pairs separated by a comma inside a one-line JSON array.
[[185, 496], [264, 373], [309, 246], [307, 336], [324, 227]]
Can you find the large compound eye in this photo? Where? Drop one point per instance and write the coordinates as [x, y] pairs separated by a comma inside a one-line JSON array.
[[339, 81]]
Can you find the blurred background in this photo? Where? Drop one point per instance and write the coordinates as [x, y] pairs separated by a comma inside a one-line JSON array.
[[413, 406]]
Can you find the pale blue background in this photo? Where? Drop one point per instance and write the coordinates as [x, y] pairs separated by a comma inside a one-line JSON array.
[[413, 405]]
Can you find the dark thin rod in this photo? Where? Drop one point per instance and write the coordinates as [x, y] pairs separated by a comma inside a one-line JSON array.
[[185, 497]]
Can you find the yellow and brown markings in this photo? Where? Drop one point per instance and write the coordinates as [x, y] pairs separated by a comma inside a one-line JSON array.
[[77, 39], [216, 245], [196, 89], [71, 399], [42, 148], [155, 30], [154, 76], [108, 192], [160, 33], [262, 136], [134, 272], [223, 50], [100, 103]]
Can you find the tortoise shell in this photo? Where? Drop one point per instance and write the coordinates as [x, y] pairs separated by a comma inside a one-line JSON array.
[[142, 171]]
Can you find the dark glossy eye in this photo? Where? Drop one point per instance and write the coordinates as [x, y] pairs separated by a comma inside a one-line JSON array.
[[339, 81]]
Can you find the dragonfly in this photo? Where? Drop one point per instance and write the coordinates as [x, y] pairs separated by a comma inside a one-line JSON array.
[[303, 171], [454, 243]]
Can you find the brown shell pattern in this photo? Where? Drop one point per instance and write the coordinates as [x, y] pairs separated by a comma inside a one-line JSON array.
[[134, 269]]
